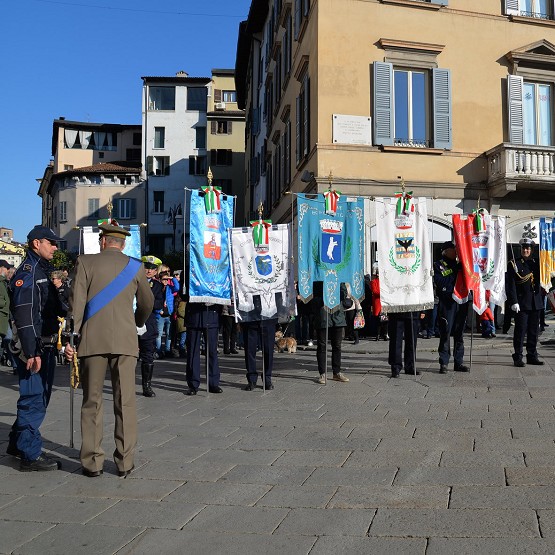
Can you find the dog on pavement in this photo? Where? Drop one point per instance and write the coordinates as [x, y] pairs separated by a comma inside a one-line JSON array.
[[285, 343]]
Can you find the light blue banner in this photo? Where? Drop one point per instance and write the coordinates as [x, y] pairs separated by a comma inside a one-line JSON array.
[[209, 269], [133, 243], [331, 247]]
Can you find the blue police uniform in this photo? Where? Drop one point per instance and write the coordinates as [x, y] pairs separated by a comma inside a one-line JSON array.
[[403, 325], [452, 316], [35, 307], [202, 320], [265, 330], [523, 288]]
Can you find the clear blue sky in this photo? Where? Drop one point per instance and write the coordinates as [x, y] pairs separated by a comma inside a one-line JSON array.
[[83, 59]]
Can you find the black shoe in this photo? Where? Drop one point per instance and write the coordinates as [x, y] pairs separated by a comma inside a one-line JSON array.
[[14, 451], [226, 352], [535, 361], [269, 386], [147, 391], [249, 387], [40, 464], [92, 473], [519, 363], [461, 368], [234, 352], [394, 373], [442, 369], [412, 372], [191, 391], [125, 473], [216, 389]]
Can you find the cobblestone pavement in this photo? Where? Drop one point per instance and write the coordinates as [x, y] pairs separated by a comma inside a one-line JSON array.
[[433, 464]]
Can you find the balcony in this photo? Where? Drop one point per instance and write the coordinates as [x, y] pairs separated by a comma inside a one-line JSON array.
[[520, 167]]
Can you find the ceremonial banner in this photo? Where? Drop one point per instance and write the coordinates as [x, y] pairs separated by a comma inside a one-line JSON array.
[[331, 247], [263, 282], [547, 255], [132, 244], [481, 247], [209, 274], [404, 254]]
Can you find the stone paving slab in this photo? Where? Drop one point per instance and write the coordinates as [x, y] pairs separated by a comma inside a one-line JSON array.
[[14, 534], [207, 542], [271, 475], [530, 476], [450, 475], [504, 497], [462, 523], [294, 497], [489, 546], [176, 470], [352, 476], [218, 493], [331, 545]]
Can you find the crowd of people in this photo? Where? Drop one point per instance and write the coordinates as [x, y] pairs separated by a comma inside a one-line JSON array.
[[123, 309]]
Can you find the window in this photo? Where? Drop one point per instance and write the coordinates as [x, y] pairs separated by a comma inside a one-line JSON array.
[[125, 209], [161, 98], [159, 137], [225, 185], [221, 127], [158, 165], [132, 154], [287, 154], [287, 48], [137, 139], [229, 96], [302, 7], [63, 211], [101, 154], [90, 140], [94, 209], [200, 137], [411, 107], [55, 216], [158, 205], [197, 165], [221, 157], [196, 98], [68, 167], [541, 9], [303, 120]]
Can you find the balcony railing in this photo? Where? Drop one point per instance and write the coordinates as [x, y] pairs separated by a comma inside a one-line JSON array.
[[529, 167]]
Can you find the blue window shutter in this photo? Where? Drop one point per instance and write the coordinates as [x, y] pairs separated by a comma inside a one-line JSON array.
[[515, 86], [511, 7], [297, 22], [443, 123], [383, 109]]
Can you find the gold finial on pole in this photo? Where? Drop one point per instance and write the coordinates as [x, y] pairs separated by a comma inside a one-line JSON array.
[[478, 203], [260, 210], [330, 180], [110, 207], [402, 183], [210, 176]]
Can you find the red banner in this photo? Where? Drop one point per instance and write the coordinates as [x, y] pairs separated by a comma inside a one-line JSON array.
[[469, 278]]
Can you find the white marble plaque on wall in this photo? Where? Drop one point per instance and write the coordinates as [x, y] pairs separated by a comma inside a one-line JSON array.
[[352, 130]]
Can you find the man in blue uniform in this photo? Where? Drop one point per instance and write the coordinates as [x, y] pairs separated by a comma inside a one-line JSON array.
[[35, 308], [525, 299], [202, 320], [452, 316]]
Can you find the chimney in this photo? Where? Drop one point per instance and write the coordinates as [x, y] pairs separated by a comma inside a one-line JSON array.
[[182, 74]]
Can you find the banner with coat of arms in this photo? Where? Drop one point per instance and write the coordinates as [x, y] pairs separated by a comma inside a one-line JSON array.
[[330, 247], [132, 243], [547, 252], [209, 266], [404, 254], [481, 242], [263, 282]]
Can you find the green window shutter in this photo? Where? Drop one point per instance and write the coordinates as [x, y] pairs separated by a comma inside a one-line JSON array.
[[115, 209], [515, 86], [213, 127], [133, 210], [306, 119], [297, 22], [443, 125], [229, 126], [217, 95], [149, 165], [166, 165], [191, 165], [511, 7], [382, 104], [298, 131]]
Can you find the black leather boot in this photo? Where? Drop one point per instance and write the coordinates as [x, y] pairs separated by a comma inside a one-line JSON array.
[[146, 374]]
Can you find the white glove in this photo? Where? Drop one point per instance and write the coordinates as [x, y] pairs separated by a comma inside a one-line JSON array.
[[515, 308], [141, 330]]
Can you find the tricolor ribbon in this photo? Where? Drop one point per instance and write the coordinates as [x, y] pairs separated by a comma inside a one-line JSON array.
[[404, 203], [212, 201], [260, 232], [331, 198], [480, 219]]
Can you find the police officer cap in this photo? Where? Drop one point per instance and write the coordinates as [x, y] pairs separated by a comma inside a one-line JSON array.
[[113, 230], [447, 245], [42, 232], [5, 264], [151, 262], [525, 241]]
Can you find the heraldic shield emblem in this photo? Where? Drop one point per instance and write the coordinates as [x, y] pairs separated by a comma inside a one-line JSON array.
[[212, 245], [331, 241], [264, 265]]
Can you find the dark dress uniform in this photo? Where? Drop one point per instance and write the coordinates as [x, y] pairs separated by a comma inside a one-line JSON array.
[[202, 320], [452, 316], [35, 307], [523, 288], [265, 331], [147, 341], [403, 325]]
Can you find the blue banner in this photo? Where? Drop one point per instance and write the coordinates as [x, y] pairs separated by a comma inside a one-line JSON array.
[[331, 247], [209, 267], [133, 243], [547, 253]]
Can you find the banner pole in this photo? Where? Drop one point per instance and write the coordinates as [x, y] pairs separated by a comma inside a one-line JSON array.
[[207, 356], [326, 350], [471, 336], [263, 357]]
